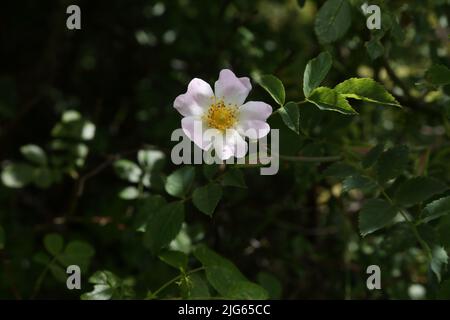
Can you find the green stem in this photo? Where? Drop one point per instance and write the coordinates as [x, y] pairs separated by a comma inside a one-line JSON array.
[[168, 283], [306, 158], [141, 187], [410, 223], [298, 102], [40, 279], [310, 159]]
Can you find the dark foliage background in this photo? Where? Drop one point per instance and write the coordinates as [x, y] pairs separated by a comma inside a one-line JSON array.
[[296, 232]]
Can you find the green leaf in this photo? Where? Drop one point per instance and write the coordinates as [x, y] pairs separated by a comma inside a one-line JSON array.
[[146, 208], [163, 226], [154, 180], [328, 99], [374, 48], [42, 258], [43, 177], [271, 284], [444, 290], [439, 261], [72, 126], [392, 163], [429, 235], [207, 197], [397, 31], [222, 278], [151, 160], [105, 285], [108, 286], [333, 20], [372, 156], [79, 249], [77, 252], [442, 231], [375, 215], [225, 277], [436, 209], [339, 170], [210, 258], [128, 170], [291, 116], [198, 288], [438, 75], [274, 87], [70, 116], [418, 189], [176, 259], [87, 130], [17, 175], [246, 290], [34, 153], [315, 72], [210, 170], [2, 238], [179, 182], [398, 239], [104, 277], [58, 272], [357, 182], [234, 178], [366, 89], [182, 241], [54, 243], [129, 193], [100, 292]]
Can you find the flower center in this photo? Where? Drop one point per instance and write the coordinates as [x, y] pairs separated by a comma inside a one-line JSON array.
[[221, 116]]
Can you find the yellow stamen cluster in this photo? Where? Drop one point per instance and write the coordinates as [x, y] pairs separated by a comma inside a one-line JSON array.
[[221, 116]]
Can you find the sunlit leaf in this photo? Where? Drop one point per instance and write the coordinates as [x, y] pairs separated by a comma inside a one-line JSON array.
[[375, 215], [329, 99], [315, 72], [274, 87], [333, 20]]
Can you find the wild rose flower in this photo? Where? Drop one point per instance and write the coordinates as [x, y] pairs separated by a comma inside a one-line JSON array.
[[221, 119]]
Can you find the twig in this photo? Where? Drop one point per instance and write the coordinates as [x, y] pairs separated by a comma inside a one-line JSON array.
[[408, 100], [396, 79], [82, 180], [310, 159]]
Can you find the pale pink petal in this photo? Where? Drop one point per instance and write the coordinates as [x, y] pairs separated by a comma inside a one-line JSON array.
[[254, 129], [234, 139], [223, 151], [196, 100], [255, 110], [230, 144], [231, 89], [194, 129]]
